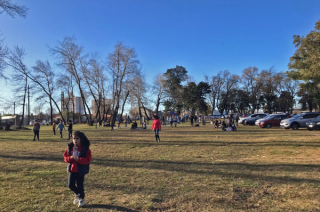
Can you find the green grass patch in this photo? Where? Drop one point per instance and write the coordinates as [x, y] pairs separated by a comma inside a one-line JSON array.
[[191, 169]]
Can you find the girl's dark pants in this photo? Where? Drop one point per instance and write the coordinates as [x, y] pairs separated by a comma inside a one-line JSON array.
[[156, 133], [78, 190], [36, 133], [54, 131], [61, 133]]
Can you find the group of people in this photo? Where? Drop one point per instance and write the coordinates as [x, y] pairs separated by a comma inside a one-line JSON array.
[[231, 124], [36, 129], [134, 126], [174, 120]]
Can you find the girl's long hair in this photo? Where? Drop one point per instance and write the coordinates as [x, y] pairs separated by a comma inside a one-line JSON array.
[[83, 138]]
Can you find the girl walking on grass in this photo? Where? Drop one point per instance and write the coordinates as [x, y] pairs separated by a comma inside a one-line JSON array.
[[78, 155], [156, 127]]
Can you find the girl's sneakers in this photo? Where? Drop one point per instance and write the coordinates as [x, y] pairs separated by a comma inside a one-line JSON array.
[[76, 200], [81, 203]]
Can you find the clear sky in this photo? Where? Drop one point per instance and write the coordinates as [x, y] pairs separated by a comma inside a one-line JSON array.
[[205, 36]]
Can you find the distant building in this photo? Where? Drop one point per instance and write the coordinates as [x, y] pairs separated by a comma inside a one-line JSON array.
[[71, 104], [134, 113], [107, 104]]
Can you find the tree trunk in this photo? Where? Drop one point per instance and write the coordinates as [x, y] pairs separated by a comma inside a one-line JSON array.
[[145, 112], [124, 102], [67, 112], [158, 104], [51, 111], [116, 108], [140, 114], [24, 102], [72, 99]]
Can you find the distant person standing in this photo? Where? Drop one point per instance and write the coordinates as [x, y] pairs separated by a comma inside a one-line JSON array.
[[36, 129], [191, 121], [237, 118], [156, 127], [100, 123], [54, 127], [70, 130], [112, 123], [61, 127], [229, 120], [170, 121]]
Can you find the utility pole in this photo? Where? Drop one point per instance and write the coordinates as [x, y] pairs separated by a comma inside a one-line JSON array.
[[14, 108], [28, 104]]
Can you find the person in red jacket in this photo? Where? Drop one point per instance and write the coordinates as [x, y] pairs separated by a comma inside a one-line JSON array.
[[156, 127], [78, 155]]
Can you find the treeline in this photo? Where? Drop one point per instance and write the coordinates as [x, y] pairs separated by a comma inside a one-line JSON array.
[[254, 90]]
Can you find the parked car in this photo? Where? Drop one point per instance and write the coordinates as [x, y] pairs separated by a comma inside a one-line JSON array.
[[252, 120], [243, 119], [314, 124], [257, 123], [272, 120], [298, 121]]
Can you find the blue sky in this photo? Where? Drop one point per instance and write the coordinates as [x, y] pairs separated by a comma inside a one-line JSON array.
[[205, 36]]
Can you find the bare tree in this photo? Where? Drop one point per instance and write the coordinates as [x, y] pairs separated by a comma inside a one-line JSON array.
[[73, 60], [20, 77], [230, 83], [3, 53], [93, 75], [16, 63], [268, 89], [292, 86], [158, 90], [122, 64], [216, 83], [252, 85], [13, 9], [65, 82], [139, 92], [44, 75], [128, 88]]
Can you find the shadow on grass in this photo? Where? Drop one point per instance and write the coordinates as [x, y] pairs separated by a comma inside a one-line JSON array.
[[264, 172], [110, 207], [212, 143]]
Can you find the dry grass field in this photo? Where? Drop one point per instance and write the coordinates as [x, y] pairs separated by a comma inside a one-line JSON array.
[[191, 169]]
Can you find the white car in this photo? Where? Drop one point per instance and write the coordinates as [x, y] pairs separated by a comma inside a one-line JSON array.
[[242, 120]]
